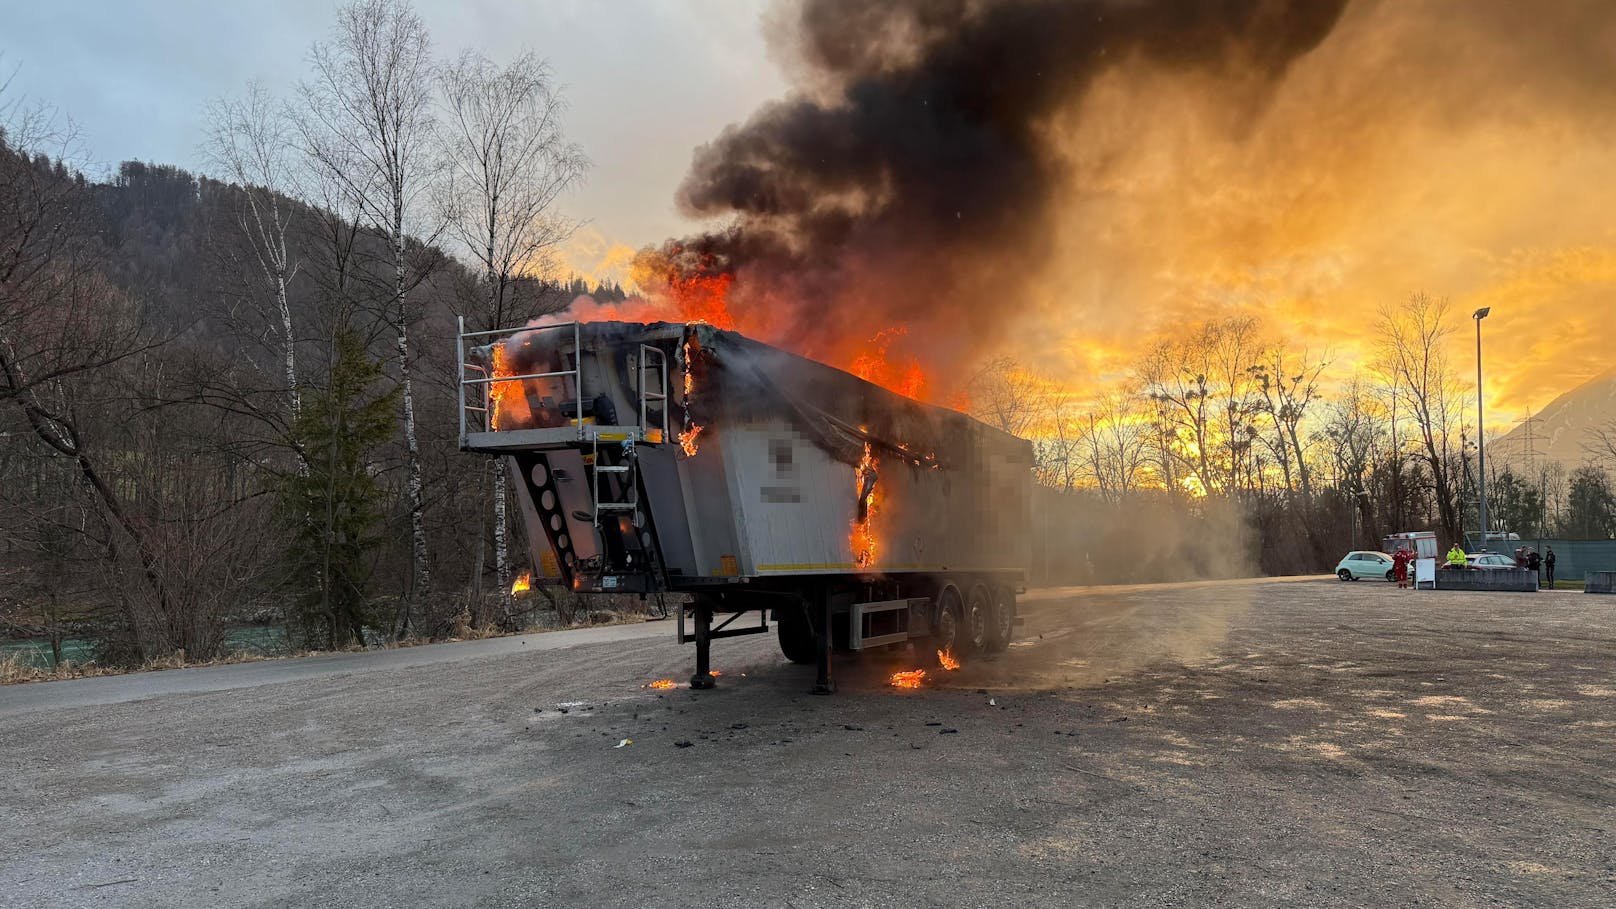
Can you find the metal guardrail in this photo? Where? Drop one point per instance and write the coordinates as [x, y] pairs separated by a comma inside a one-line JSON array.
[[648, 397], [486, 380]]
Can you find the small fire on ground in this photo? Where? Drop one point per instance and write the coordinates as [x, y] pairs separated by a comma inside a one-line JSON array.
[[947, 661], [524, 582], [909, 678], [663, 684]]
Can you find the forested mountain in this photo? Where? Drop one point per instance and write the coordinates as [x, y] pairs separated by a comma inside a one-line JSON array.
[[146, 417], [1575, 428]]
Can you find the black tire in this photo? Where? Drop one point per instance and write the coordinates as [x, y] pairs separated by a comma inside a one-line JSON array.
[[797, 638], [948, 632], [978, 619], [1344, 575], [1391, 575], [1003, 628]]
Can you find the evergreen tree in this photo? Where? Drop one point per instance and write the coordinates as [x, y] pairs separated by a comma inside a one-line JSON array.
[[338, 507], [1514, 505], [1590, 507]]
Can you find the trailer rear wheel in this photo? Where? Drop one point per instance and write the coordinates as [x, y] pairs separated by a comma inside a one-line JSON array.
[[1003, 628], [797, 638], [978, 619], [949, 631]]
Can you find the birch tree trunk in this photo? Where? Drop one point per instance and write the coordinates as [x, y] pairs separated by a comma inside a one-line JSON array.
[[249, 141], [420, 568], [508, 163], [367, 126]]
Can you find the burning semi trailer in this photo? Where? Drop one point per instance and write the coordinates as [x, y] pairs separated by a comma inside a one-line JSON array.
[[683, 458]]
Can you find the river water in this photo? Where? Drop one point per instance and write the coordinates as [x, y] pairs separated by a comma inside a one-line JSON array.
[[268, 640]]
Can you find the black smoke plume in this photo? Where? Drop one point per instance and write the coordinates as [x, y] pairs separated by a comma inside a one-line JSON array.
[[910, 181]]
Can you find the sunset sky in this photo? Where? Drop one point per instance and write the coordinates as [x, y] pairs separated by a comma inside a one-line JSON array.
[[1466, 150]]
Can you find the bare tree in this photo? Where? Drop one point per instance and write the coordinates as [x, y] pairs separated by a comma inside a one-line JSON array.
[[1600, 445], [1414, 361], [250, 143], [1236, 347], [1005, 394], [508, 164], [1288, 388], [367, 122], [1175, 374], [1057, 449], [1355, 433], [62, 327], [1116, 445]]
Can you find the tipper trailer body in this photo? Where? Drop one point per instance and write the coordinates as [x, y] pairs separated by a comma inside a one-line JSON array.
[[669, 457]]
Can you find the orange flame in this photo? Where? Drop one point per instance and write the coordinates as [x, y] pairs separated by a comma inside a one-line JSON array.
[[524, 582], [687, 440], [878, 365], [671, 294], [862, 538], [947, 660], [702, 298], [506, 399], [909, 678], [663, 684]]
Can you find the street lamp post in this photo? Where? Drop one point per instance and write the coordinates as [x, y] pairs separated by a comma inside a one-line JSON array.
[[1481, 434]]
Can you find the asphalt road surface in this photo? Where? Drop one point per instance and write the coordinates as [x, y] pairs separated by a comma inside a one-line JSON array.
[[1244, 744]]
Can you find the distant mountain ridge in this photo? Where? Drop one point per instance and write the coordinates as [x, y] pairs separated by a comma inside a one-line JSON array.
[[1562, 431]]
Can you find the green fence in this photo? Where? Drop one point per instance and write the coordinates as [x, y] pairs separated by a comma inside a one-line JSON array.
[[1575, 558]]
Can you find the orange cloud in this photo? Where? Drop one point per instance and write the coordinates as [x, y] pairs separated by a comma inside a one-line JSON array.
[[1461, 151]]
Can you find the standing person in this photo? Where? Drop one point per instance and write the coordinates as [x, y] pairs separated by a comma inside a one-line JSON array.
[[1533, 560], [1400, 567], [1456, 557], [1548, 567]]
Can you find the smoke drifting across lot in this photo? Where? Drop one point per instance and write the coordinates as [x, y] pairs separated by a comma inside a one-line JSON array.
[[1059, 180]]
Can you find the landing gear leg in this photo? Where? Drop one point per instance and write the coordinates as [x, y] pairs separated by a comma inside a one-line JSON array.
[[703, 679], [822, 681]]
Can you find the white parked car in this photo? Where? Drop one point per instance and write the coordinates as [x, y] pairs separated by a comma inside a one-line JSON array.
[[1490, 560], [1366, 565]]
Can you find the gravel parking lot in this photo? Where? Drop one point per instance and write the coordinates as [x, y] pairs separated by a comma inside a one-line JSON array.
[[1303, 743]]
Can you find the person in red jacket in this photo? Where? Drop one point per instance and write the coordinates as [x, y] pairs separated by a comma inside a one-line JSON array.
[[1400, 567]]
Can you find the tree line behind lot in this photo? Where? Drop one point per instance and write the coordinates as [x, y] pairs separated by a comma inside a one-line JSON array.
[[1227, 451]]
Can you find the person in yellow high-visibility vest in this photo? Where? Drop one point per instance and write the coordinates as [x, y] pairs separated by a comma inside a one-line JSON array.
[[1456, 557]]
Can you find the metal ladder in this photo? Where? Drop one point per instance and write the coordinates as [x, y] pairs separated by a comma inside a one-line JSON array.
[[627, 497]]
